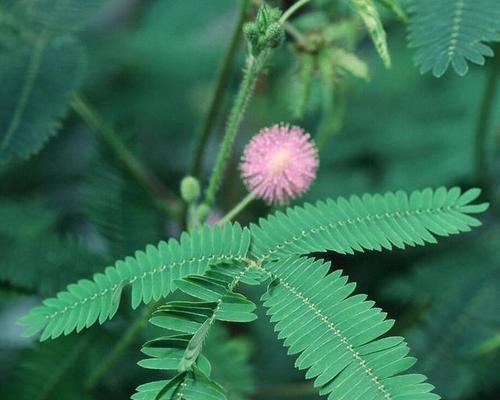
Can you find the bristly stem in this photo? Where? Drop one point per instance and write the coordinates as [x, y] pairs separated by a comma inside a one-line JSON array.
[[237, 208], [484, 121], [218, 93], [162, 197], [253, 68]]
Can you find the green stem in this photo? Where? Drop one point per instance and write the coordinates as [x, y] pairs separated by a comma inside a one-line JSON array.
[[237, 208], [288, 13], [218, 93], [121, 346], [252, 70], [484, 122], [161, 196]]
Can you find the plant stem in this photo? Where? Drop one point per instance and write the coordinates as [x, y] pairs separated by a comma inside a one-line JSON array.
[[121, 346], [484, 121], [218, 93], [288, 13], [252, 70], [237, 208], [161, 196]]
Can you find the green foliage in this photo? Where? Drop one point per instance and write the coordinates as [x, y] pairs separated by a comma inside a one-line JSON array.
[[368, 12], [27, 233], [395, 7], [452, 32], [240, 254], [458, 317], [230, 362], [192, 321], [38, 82], [116, 211], [338, 337], [369, 222], [152, 275], [51, 370]]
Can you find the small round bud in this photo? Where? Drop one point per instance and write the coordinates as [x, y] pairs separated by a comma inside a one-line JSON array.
[[274, 35], [203, 211], [274, 14], [251, 33], [190, 189]]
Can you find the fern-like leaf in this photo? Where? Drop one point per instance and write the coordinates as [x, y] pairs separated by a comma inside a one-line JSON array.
[[459, 315], [395, 7], [151, 273], [452, 32], [193, 385], [37, 84], [338, 335], [370, 16], [369, 222]]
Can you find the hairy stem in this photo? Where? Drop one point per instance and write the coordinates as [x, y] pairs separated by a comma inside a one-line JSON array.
[[252, 70], [161, 196], [218, 93], [484, 121]]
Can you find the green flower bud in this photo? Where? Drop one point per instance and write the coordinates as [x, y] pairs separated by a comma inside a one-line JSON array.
[[262, 18], [274, 14], [274, 35], [251, 33], [203, 211], [190, 189]]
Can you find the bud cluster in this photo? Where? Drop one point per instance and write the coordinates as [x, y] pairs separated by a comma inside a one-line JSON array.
[[266, 32]]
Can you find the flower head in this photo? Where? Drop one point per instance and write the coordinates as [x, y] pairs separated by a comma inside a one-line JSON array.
[[279, 163]]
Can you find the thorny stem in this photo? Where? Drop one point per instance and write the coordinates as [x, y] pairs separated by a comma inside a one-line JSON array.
[[161, 196], [237, 208], [252, 70], [218, 92], [484, 121]]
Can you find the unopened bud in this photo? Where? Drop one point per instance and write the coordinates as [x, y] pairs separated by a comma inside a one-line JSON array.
[[274, 35], [251, 33], [190, 189], [203, 211]]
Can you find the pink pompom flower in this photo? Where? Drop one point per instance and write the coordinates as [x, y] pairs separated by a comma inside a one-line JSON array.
[[279, 163]]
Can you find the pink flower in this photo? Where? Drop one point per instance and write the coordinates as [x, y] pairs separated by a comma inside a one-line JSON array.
[[279, 163]]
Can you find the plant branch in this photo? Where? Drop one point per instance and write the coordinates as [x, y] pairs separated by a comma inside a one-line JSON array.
[[162, 197], [218, 93], [484, 121], [252, 70]]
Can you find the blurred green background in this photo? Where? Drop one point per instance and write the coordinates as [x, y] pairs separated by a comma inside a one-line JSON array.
[[149, 71]]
